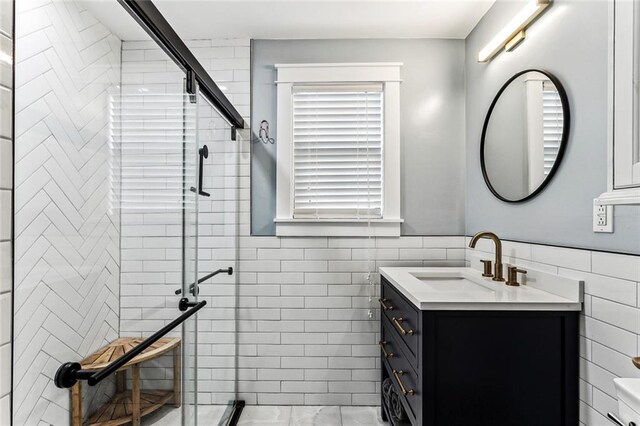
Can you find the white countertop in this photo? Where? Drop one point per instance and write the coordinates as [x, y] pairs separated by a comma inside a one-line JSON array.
[[451, 288], [628, 392]]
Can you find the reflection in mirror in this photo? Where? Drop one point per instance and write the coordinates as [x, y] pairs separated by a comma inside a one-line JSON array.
[[524, 134]]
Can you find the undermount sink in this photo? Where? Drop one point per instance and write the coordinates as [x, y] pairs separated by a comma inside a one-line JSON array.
[[450, 283], [628, 391]]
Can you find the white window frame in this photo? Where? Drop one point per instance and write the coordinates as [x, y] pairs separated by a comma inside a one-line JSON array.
[[623, 177], [290, 75]]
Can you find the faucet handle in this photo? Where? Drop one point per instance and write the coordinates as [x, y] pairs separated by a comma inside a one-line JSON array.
[[512, 275], [487, 268]]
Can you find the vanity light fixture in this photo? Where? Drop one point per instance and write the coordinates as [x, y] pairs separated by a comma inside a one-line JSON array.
[[515, 41], [514, 32]]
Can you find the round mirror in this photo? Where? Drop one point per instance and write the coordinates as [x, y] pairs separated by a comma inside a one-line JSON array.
[[524, 135]]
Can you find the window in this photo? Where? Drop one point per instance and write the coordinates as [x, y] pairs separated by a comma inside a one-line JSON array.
[[624, 105], [338, 149]]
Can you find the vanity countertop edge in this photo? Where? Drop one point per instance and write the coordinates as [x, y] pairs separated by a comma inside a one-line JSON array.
[[541, 292]]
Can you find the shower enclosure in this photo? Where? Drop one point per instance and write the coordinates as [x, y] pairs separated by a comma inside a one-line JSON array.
[[126, 214]]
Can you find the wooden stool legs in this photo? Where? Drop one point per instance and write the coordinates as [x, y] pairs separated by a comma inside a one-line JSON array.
[[76, 405], [135, 395], [121, 381], [176, 376]]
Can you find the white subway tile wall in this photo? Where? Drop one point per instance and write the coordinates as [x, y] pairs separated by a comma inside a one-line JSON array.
[[66, 240], [304, 335], [610, 320], [6, 185]]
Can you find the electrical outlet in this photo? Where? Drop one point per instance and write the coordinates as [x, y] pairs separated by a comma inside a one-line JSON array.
[[601, 215], [602, 218]]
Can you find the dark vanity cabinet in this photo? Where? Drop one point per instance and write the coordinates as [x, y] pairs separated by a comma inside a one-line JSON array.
[[494, 368]]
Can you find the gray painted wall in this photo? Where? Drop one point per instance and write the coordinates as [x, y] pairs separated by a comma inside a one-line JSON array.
[[432, 111], [570, 41]]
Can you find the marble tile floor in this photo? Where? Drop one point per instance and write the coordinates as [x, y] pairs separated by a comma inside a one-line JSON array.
[[267, 415]]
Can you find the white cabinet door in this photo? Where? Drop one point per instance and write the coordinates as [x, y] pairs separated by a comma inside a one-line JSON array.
[[626, 138]]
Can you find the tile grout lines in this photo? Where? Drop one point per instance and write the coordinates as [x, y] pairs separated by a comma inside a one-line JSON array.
[[66, 300]]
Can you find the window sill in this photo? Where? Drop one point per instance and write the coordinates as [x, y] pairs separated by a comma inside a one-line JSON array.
[[619, 197], [288, 227]]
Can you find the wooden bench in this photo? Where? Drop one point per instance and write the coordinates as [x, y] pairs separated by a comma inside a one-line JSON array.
[[128, 405]]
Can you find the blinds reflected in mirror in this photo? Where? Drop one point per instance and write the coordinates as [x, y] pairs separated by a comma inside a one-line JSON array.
[[552, 124], [152, 145], [338, 151]]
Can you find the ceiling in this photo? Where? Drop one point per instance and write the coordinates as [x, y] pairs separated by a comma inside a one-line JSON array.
[[303, 19]]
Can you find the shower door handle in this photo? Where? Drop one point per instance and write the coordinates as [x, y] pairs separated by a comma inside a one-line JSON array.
[[203, 153]]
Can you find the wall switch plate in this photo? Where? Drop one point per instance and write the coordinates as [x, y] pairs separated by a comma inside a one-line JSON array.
[[602, 218]]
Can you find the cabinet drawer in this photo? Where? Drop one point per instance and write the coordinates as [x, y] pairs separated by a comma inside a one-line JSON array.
[[403, 318], [404, 378], [390, 344], [395, 343]]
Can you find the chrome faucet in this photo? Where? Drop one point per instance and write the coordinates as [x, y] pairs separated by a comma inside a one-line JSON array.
[[497, 276]]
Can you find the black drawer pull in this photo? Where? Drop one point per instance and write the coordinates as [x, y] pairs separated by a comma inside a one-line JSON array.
[[396, 322], [386, 354], [397, 375], [384, 306]]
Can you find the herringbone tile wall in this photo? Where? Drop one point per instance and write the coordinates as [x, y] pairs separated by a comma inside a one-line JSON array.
[[6, 168], [67, 241]]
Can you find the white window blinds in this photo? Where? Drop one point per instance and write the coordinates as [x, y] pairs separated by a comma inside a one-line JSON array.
[[338, 144], [553, 122]]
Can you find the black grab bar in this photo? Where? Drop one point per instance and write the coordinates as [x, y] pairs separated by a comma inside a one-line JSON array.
[[206, 277], [70, 372], [617, 421]]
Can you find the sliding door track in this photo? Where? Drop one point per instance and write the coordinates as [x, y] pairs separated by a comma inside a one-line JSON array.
[[152, 21]]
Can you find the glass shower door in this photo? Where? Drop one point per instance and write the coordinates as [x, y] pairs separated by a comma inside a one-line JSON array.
[[210, 243], [155, 162], [218, 216], [190, 197]]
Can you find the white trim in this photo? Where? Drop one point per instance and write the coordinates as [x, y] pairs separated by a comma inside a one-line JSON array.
[[340, 65], [623, 95], [610, 95], [328, 220], [615, 194], [619, 196], [619, 131], [343, 73], [337, 81], [290, 75], [337, 228]]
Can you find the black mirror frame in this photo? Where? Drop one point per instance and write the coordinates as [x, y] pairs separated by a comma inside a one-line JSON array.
[[563, 142]]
